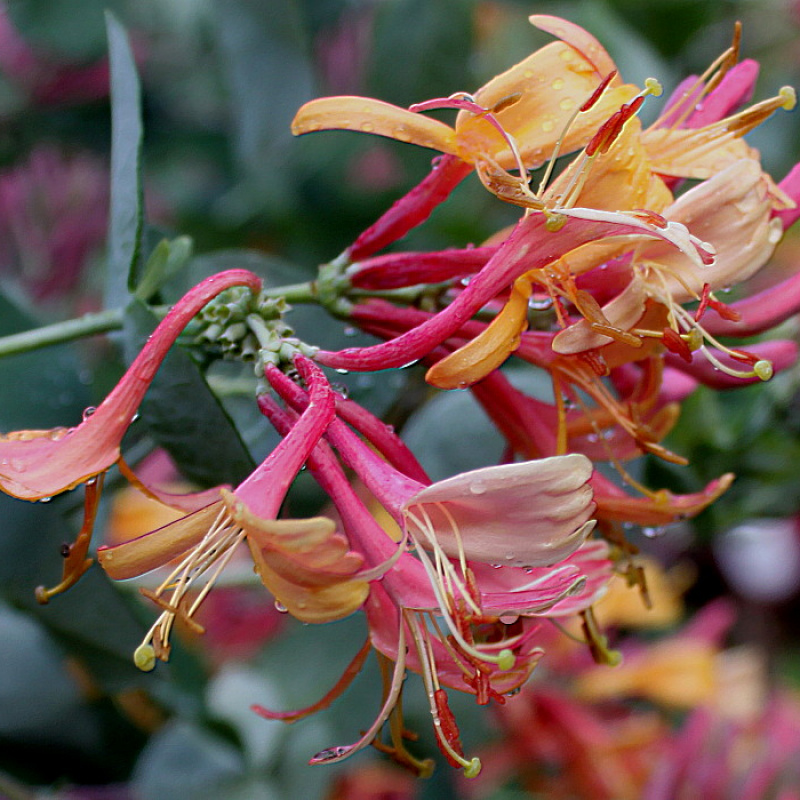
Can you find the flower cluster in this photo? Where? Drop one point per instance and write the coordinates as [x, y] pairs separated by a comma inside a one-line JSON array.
[[610, 284]]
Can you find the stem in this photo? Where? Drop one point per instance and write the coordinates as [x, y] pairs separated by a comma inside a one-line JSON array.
[[294, 293], [87, 325]]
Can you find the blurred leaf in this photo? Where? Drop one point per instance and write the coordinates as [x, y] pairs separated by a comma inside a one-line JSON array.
[[126, 215], [265, 59], [165, 261], [74, 29], [91, 621], [421, 50], [183, 761], [42, 388], [182, 413]]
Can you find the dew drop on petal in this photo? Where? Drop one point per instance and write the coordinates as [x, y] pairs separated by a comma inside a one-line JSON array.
[[280, 607], [477, 487], [509, 619], [87, 412], [330, 754]]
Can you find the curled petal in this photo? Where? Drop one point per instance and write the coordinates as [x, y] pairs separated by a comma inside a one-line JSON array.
[[374, 116], [662, 508], [622, 313], [38, 464], [156, 548], [731, 210], [534, 513], [490, 348]]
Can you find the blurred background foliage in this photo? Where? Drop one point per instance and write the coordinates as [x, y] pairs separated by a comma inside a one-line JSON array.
[[221, 80]]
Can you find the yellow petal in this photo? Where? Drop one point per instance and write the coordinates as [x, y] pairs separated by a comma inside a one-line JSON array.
[[315, 605], [552, 83], [489, 349], [374, 116]]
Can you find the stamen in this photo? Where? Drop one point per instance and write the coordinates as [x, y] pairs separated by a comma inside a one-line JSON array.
[[444, 724], [216, 547]]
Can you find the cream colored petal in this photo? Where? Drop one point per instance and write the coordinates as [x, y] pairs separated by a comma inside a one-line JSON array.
[[374, 116], [534, 513], [732, 211], [623, 312]]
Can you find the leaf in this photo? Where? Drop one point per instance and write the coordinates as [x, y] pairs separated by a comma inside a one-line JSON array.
[[71, 29], [126, 215], [266, 65], [182, 413], [42, 388], [166, 259]]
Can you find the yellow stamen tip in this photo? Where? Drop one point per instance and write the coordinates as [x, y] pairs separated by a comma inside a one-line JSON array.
[[653, 87], [145, 657], [789, 97], [694, 339], [505, 659], [763, 369], [473, 768], [554, 222]]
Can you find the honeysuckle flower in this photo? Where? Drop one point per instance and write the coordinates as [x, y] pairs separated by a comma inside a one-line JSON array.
[[38, 464], [531, 103], [305, 564], [451, 600]]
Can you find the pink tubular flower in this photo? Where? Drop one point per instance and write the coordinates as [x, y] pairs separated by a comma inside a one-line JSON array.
[[305, 564], [37, 464], [471, 620]]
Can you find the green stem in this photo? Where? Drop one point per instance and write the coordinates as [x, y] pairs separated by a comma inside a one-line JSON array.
[[294, 293], [87, 325]]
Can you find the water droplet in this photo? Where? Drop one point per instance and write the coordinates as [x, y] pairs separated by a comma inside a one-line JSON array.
[[653, 532], [514, 692], [330, 753], [350, 331], [18, 465], [87, 412], [367, 127], [509, 556], [45, 499], [557, 84], [548, 125], [566, 104], [509, 619], [477, 487], [402, 134]]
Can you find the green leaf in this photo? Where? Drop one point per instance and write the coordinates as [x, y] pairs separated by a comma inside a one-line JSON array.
[[182, 413], [126, 215], [166, 260], [42, 388], [71, 29]]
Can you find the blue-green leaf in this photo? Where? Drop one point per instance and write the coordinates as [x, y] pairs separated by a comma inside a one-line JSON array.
[[126, 217]]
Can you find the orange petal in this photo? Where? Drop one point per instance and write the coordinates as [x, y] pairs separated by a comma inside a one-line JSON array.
[[489, 349], [374, 116], [157, 548]]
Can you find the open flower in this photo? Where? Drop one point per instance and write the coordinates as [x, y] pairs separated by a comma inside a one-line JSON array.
[[37, 464], [305, 564], [494, 549], [525, 109]]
